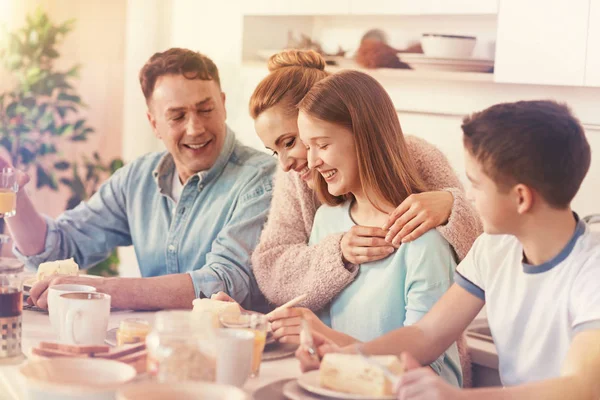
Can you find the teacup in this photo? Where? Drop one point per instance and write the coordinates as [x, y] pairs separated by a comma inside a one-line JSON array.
[[53, 304], [84, 317]]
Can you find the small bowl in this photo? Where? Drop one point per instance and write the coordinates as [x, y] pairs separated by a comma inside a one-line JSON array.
[[75, 378], [181, 391], [447, 46]]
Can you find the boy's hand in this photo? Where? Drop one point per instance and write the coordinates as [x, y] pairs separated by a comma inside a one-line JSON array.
[[424, 384]]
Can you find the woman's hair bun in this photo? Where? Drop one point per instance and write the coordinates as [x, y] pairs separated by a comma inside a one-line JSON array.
[[296, 58]]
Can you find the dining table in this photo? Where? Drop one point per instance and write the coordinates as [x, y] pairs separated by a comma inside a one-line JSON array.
[[37, 328]]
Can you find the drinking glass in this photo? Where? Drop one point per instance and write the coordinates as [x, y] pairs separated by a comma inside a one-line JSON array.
[[8, 192], [256, 323]]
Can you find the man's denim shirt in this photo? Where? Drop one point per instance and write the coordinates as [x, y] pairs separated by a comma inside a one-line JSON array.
[[209, 234]]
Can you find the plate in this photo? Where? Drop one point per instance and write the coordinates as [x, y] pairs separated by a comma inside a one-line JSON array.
[[422, 62], [310, 382]]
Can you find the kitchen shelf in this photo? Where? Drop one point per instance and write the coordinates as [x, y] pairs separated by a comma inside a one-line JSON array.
[[260, 67]]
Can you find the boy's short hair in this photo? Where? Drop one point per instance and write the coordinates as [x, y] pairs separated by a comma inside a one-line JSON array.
[[536, 143], [176, 61]]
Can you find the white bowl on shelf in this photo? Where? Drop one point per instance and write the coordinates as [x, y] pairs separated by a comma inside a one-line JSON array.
[[447, 46]]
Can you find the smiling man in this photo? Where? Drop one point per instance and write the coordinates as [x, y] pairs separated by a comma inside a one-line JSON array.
[[192, 213]]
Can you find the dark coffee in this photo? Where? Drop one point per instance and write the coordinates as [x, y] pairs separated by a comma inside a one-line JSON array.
[[11, 302]]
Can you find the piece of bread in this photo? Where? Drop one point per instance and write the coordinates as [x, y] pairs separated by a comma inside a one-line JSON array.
[[59, 267], [350, 373], [217, 308]]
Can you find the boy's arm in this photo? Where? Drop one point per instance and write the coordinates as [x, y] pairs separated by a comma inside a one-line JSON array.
[[578, 380], [435, 332]]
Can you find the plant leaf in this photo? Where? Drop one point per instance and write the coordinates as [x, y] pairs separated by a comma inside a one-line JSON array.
[[69, 97], [62, 165], [26, 155], [79, 124], [73, 202], [115, 165], [66, 129], [45, 179]]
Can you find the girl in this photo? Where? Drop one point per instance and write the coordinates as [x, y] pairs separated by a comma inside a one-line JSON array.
[[284, 264], [361, 169]]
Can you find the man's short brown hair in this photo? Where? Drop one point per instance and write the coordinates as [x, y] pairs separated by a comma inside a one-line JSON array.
[[536, 143], [176, 61]]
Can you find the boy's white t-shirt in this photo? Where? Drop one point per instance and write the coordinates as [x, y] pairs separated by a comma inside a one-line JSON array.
[[534, 312]]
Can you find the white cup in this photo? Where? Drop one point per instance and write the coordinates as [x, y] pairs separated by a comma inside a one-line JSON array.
[[53, 293], [234, 356], [84, 317]]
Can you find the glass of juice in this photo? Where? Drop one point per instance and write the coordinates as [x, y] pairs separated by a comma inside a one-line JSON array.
[[132, 330], [258, 324], [8, 192]]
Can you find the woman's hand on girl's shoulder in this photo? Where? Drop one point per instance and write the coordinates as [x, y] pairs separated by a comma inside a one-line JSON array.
[[417, 214], [363, 244]]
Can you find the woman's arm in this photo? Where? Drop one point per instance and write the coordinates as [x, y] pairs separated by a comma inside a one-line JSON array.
[[463, 225], [283, 263]]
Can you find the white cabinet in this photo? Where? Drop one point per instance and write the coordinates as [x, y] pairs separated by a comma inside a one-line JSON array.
[[592, 70], [542, 42], [423, 7], [296, 7]]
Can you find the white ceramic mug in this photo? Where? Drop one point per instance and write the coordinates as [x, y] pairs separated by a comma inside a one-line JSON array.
[[234, 356], [84, 317], [53, 304]]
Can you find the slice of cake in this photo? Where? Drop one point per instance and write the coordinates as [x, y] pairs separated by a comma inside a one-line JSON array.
[[350, 373], [58, 267], [217, 308]]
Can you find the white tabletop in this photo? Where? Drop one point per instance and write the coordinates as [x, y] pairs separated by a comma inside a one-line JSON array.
[[36, 328]]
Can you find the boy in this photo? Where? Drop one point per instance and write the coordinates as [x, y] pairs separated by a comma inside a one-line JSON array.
[[536, 267]]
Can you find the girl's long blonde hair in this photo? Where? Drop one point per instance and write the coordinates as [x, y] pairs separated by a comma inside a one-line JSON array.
[[358, 102]]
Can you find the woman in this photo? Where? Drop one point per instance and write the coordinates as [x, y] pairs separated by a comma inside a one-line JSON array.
[[284, 264], [361, 169]]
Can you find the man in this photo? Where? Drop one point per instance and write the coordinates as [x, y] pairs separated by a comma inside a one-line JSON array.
[[192, 213]]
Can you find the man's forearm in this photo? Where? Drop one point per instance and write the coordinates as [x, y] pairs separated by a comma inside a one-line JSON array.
[[27, 228], [158, 293]]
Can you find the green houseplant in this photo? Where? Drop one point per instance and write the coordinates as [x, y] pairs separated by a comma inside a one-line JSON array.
[[43, 110]]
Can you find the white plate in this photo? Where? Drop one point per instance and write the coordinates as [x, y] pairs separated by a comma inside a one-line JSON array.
[[423, 62], [310, 381]]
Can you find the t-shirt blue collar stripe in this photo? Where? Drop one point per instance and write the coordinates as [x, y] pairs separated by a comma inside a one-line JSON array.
[[547, 266]]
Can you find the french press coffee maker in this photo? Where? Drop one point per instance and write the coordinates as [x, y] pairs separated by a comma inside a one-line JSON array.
[[11, 308]]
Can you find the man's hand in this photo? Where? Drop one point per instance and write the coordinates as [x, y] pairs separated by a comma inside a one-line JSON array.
[[222, 296], [38, 295], [22, 177]]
